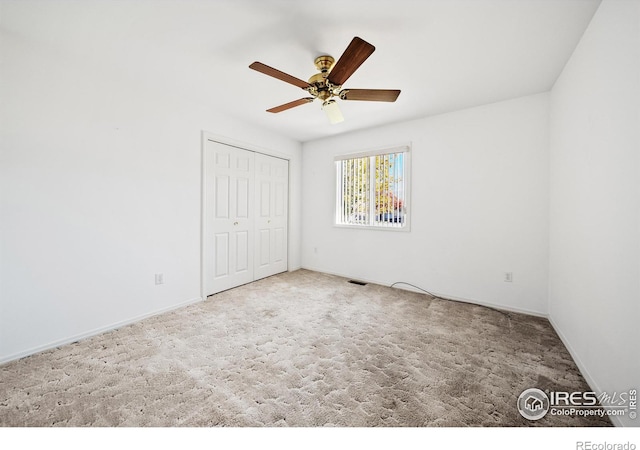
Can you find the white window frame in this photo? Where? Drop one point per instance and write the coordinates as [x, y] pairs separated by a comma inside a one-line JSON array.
[[406, 150]]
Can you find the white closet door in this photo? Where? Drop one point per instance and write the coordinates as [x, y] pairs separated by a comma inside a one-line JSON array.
[[230, 209], [272, 198]]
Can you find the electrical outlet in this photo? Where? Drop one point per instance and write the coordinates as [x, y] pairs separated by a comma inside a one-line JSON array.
[[159, 278], [508, 277]]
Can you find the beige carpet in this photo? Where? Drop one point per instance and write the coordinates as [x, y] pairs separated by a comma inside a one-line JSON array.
[[299, 349]]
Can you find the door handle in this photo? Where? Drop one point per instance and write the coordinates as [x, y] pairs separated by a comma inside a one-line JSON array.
[[235, 223]]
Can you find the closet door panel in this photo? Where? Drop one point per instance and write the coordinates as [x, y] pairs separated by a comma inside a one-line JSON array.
[[272, 189], [229, 210]]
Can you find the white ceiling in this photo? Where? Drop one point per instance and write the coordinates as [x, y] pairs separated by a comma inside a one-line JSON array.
[[444, 54]]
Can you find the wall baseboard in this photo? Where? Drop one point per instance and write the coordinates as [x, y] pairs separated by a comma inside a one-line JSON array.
[[581, 367], [440, 295], [94, 332], [528, 312]]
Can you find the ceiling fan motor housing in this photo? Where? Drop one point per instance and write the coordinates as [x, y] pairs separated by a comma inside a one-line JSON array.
[[322, 88]]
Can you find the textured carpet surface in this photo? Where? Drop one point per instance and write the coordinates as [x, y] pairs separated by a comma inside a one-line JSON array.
[[299, 349]]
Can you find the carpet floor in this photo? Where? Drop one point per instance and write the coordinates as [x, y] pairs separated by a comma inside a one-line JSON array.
[[299, 349]]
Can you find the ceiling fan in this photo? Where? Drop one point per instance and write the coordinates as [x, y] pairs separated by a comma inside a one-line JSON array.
[[328, 83]]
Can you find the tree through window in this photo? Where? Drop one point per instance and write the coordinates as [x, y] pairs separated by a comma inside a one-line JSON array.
[[372, 189]]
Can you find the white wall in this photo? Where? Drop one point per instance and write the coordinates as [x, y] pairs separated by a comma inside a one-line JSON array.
[[100, 190], [479, 207], [594, 288]]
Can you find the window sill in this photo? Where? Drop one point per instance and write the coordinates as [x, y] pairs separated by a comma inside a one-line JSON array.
[[405, 228]]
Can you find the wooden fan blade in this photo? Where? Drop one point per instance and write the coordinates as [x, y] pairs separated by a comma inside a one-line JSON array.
[[355, 54], [275, 73], [290, 105], [371, 95]]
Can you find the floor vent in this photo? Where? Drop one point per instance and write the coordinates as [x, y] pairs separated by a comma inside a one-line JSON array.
[[359, 283]]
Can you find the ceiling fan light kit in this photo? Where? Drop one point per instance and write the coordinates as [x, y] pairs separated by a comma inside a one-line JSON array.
[[330, 107], [327, 84]]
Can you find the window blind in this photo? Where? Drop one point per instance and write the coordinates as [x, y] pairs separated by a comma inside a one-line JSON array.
[[372, 189]]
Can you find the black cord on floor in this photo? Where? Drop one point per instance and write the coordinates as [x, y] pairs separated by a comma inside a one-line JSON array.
[[506, 313], [417, 287]]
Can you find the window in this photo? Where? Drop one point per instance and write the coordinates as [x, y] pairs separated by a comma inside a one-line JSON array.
[[373, 189]]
